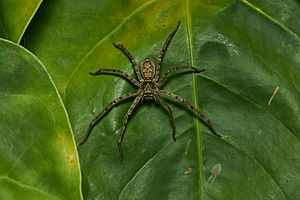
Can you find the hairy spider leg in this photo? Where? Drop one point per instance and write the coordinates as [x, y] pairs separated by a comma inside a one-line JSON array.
[[116, 72], [125, 121], [163, 50], [197, 112], [164, 104], [131, 58], [165, 75], [97, 119]]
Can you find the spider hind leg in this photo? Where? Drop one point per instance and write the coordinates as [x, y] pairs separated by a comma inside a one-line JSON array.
[[125, 121], [97, 119], [194, 110], [164, 104]]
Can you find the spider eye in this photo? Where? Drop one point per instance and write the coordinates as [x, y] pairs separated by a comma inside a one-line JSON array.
[[148, 69]]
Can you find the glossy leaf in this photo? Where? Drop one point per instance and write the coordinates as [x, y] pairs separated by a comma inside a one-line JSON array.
[[15, 16], [37, 151], [249, 48]]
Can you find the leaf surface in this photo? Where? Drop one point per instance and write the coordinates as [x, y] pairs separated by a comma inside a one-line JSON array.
[[15, 16], [37, 151], [248, 49]]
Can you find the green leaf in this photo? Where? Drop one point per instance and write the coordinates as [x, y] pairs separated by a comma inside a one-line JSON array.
[[37, 152], [249, 48], [15, 16]]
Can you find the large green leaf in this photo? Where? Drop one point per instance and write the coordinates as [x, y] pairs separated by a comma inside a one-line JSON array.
[[15, 16], [248, 47], [37, 152]]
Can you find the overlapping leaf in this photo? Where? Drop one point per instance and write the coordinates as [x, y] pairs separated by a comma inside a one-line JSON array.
[[15, 17], [37, 151]]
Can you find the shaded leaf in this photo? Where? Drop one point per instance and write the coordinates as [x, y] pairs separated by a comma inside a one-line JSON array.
[[15, 16], [37, 151]]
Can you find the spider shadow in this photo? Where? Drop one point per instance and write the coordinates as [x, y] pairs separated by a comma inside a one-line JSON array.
[[174, 76]]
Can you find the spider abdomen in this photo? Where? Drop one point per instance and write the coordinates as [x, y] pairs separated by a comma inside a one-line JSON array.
[[148, 69]]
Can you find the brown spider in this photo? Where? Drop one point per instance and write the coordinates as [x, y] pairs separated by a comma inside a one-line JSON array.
[[148, 83]]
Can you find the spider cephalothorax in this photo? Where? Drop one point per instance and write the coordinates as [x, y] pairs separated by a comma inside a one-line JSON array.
[[149, 90], [148, 84]]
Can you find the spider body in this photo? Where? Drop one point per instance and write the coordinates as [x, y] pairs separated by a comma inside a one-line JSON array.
[[148, 84], [149, 90]]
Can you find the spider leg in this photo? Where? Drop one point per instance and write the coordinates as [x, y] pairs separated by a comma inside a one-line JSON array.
[[165, 75], [125, 121], [197, 112], [131, 58], [116, 72], [163, 50], [164, 104], [96, 120]]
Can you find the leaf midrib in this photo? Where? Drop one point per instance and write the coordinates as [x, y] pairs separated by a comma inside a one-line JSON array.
[[195, 100], [225, 141]]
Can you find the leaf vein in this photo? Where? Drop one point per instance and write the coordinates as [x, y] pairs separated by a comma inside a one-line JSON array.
[[106, 37], [255, 8], [27, 186], [256, 161], [149, 160], [197, 124], [255, 104]]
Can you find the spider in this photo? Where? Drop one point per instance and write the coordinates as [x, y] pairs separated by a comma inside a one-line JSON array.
[[148, 84]]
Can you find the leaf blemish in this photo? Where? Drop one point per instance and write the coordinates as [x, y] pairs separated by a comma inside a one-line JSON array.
[[273, 95], [259, 132], [188, 170], [187, 147], [68, 151], [215, 171], [70, 159], [13, 56]]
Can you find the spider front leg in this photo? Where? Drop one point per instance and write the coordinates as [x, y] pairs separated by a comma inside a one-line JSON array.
[[166, 106], [197, 112], [131, 58], [125, 121], [163, 50], [116, 72], [165, 75], [96, 120]]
